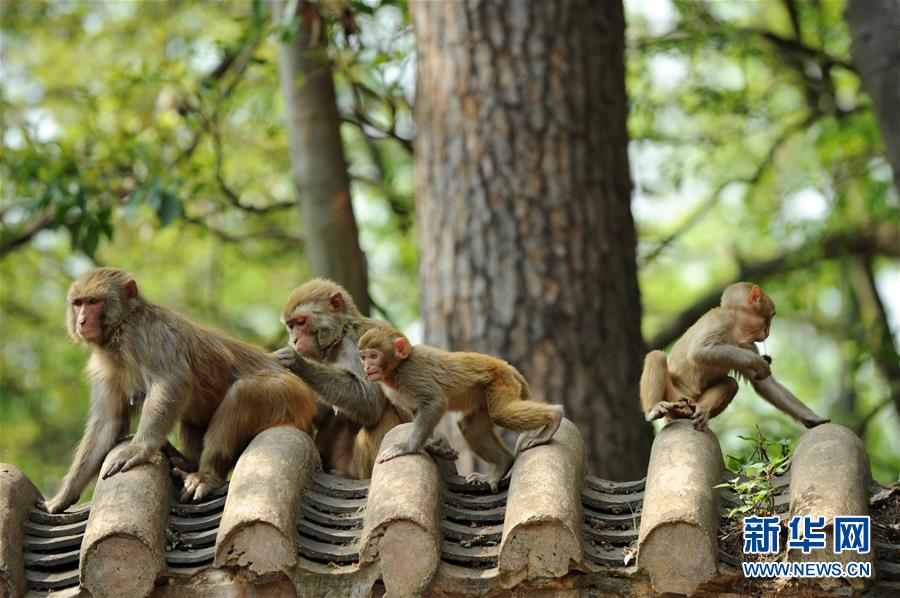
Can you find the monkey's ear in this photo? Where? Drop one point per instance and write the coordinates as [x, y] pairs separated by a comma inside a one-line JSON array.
[[401, 347], [754, 296], [131, 290], [337, 303]]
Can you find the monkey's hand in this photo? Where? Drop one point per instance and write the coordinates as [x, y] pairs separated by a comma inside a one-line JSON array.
[[396, 451], [57, 504], [757, 368], [700, 419], [130, 456], [812, 422], [491, 479], [197, 485], [286, 357]]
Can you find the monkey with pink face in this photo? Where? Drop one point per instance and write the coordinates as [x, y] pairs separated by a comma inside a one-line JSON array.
[[222, 391]]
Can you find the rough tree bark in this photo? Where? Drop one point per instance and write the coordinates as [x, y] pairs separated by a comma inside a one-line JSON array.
[[317, 153], [527, 242], [875, 34]]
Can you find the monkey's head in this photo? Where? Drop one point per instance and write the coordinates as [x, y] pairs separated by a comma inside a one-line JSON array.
[[382, 349], [756, 308], [315, 315], [99, 302]]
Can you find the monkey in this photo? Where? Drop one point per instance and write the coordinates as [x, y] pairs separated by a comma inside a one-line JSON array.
[[487, 391], [694, 382], [324, 325], [221, 390]]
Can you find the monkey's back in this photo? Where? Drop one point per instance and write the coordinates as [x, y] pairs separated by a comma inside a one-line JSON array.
[[462, 377], [714, 327], [215, 359]]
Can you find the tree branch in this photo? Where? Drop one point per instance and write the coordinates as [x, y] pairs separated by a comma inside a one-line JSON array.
[[876, 239], [713, 199]]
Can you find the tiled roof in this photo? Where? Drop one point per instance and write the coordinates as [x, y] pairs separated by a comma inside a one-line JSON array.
[[284, 528]]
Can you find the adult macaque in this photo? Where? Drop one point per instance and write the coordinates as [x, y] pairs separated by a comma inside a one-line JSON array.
[[485, 389], [694, 381], [223, 391], [325, 325]]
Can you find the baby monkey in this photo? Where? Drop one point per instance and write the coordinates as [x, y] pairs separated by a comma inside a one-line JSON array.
[[429, 381], [694, 382]]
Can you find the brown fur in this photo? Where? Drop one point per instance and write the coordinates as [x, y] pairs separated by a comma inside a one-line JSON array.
[[694, 381], [223, 391], [348, 440], [486, 390]]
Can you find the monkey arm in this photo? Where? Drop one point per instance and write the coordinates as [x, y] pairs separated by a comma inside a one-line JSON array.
[[166, 399], [732, 357], [108, 421], [775, 393], [432, 407], [343, 385]]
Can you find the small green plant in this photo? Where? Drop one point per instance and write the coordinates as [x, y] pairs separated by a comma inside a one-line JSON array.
[[755, 471], [479, 539]]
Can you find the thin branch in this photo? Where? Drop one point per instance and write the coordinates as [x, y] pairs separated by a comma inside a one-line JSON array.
[[15, 240], [233, 197], [879, 337], [861, 426], [876, 239], [713, 199]]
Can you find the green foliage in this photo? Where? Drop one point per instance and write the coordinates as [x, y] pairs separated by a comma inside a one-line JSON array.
[[755, 471]]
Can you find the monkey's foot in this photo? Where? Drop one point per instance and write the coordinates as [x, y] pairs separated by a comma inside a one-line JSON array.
[[663, 408], [130, 456], [685, 407], [547, 433], [700, 418], [395, 451], [197, 485], [491, 479]]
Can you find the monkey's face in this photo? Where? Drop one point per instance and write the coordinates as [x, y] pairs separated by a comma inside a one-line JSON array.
[[377, 365], [87, 318], [301, 326]]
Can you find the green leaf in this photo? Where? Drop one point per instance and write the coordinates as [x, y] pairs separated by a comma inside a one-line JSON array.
[[169, 208]]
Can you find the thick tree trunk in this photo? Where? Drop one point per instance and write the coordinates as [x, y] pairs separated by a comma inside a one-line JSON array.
[[875, 31], [317, 154], [526, 236]]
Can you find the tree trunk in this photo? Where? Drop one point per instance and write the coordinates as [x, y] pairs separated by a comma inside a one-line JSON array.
[[317, 153], [875, 31], [527, 242]]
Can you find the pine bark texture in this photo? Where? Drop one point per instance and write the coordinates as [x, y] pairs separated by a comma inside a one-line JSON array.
[[527, 243], [875, 33], [317, 154]]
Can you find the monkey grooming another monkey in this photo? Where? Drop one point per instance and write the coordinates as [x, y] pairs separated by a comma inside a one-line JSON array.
[[694, 380], [223, 391], [485, 389], [325, 325]]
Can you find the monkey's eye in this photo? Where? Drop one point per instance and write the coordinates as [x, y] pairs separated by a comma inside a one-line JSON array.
[[93, 301]]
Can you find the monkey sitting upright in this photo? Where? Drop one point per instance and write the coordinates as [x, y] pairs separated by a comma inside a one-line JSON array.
[[429, 381], [694, 381], [223, 391]]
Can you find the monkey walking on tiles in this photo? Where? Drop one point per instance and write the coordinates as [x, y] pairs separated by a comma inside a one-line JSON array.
[[429, 381]]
